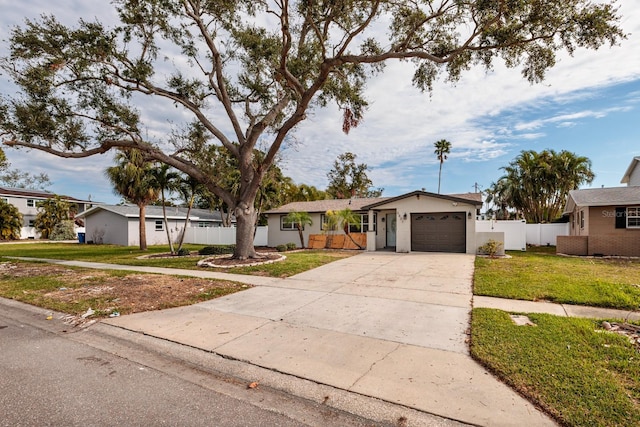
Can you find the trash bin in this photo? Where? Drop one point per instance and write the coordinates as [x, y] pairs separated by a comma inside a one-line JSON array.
[[81, 237]]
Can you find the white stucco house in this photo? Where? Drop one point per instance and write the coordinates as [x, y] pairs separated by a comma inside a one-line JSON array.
[[27, 200], [414, 222], [119, 224]]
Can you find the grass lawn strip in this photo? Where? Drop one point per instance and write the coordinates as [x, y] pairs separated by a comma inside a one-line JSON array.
[[572, 368], [296, 262], [74, 290], [540, 276]]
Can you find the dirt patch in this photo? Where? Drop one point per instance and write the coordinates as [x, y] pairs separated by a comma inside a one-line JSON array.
[[108, 293]]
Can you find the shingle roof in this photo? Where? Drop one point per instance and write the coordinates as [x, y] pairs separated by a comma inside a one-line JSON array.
[[621, 196], [357, 204], [36, 194], [132, 211], [326, 205]]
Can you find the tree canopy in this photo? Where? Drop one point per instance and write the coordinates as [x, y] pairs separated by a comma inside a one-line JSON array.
[[51, 213], [245, 73], [537, 184], [348, 179], [16, 178]]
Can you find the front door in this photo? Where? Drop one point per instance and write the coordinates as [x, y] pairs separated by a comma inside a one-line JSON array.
[[391, 230]]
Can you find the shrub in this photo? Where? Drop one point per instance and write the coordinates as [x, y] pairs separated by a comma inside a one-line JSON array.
[[183, 252], [281, 248], [10, 221], [491, 248], [217, 250], [63, 230], [291, 246]]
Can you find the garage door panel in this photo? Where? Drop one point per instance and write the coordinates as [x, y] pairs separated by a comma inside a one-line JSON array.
[[439, 232]]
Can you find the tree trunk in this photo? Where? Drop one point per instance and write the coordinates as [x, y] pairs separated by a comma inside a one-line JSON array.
[[245, 224], [186, 222], [301, 236], [166, 224], [143, 227]]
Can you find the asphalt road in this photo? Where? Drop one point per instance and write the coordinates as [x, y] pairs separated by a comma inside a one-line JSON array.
[[52, 376]]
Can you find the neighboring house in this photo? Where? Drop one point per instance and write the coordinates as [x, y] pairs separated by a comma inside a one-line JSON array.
[[417, 221], [605, 221], [119, 224], [27, 203]]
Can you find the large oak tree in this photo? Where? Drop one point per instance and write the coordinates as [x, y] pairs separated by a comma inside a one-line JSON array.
[[247, 72]]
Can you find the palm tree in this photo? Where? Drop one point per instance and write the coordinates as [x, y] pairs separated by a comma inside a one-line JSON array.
[[346, 218], [443, 147], [165, 181], [300, 219], [132, 178], [537, 184]]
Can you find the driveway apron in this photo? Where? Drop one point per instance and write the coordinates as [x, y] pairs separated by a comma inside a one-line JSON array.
[[386, 325]]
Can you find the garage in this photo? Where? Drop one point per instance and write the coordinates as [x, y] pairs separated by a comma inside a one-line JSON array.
[[439, 232]]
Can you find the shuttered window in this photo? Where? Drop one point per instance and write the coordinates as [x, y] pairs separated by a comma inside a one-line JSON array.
[[621, 217]]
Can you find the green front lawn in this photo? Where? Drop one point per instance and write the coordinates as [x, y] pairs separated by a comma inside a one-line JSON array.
[[540, 275], [296, 262], [572, 368]]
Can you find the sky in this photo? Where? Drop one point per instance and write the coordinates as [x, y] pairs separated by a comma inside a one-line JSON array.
[[589, 104]]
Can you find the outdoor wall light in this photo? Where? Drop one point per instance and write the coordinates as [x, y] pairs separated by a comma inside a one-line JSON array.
[[404, 215], [469, 215], [382, 219]]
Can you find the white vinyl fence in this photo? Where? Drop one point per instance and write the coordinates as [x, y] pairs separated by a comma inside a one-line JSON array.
[[515, 235], [221, 236], [545, 234], [519, 234]]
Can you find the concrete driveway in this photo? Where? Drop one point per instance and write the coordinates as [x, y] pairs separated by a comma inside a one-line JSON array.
[[386, 325]]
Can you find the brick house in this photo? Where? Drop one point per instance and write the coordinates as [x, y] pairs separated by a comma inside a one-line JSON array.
[[605, 221]]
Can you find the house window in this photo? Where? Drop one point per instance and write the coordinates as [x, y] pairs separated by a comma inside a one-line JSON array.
[[32, 223], [4, 199], [31, 203], [286, 225], [581, 219], [204, 224], [355, 228], [159, 225], [633, 217]]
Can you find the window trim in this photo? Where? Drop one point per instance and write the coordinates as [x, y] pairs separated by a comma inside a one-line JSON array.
[[31, 203], [159, 225], [363, 227], [292, 224], [635, 217]]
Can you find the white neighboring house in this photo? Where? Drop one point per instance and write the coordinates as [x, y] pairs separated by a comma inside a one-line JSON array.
[[27, 203], [119, 224]]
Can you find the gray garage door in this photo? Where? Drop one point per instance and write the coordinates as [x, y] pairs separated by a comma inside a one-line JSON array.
[[439, 232]]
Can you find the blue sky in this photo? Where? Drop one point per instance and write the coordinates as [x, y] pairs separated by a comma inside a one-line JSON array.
[[589, 104]]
